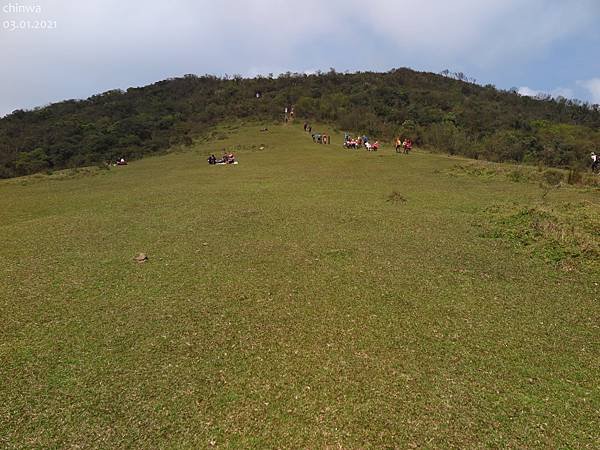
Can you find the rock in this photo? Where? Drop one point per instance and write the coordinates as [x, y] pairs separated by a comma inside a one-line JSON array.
[[141, 258]]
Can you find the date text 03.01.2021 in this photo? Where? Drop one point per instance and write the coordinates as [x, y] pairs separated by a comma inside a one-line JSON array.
[[14, 25]]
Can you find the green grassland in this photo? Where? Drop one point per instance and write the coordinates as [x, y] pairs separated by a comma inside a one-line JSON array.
[[308, 297]]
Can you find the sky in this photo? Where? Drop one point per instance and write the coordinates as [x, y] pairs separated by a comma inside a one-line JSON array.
[[52, 50]]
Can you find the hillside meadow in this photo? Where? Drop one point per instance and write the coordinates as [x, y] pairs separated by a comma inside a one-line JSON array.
[[447, 112], [308, 297]]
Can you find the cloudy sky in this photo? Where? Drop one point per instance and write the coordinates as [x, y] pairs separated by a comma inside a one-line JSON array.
[[550, 46]]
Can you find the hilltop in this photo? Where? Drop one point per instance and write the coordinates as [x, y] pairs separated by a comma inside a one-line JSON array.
[[440, 112]]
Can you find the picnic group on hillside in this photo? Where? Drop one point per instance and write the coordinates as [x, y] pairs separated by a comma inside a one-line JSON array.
[[227, 158], [360, 142]]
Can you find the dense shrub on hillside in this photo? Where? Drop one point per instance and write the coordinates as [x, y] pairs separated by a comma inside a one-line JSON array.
[[448, 114]]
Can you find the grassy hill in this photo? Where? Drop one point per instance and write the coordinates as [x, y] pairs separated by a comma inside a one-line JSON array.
[[308, 297], [440, 112]]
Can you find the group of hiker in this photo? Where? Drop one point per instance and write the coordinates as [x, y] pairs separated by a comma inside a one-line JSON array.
[[318, 138], [360, 142], [403, 145], [227, 158]]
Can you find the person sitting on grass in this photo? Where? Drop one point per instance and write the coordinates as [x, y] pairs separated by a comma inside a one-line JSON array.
[[212, 160], [376, 146], [223, 159]]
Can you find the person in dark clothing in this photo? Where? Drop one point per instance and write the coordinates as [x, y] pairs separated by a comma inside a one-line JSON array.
[[595, 162], [212, 160]]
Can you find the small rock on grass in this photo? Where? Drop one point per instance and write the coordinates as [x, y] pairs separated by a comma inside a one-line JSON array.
[[141, 258]]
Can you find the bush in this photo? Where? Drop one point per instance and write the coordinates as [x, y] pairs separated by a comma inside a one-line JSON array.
[[553, 177], [447, 137], [562, 234], [31, 162], [575, 176], [517, 176]]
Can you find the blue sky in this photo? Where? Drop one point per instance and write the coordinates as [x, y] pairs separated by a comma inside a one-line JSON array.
[[550, 46]]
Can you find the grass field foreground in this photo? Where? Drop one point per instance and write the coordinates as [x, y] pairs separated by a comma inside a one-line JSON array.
[[308, 297]]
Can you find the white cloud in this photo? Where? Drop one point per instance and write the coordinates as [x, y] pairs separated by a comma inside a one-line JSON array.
[[558, 92], [528, 92], [482, 32], [563, 92], [555, 93], [593, 87]]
